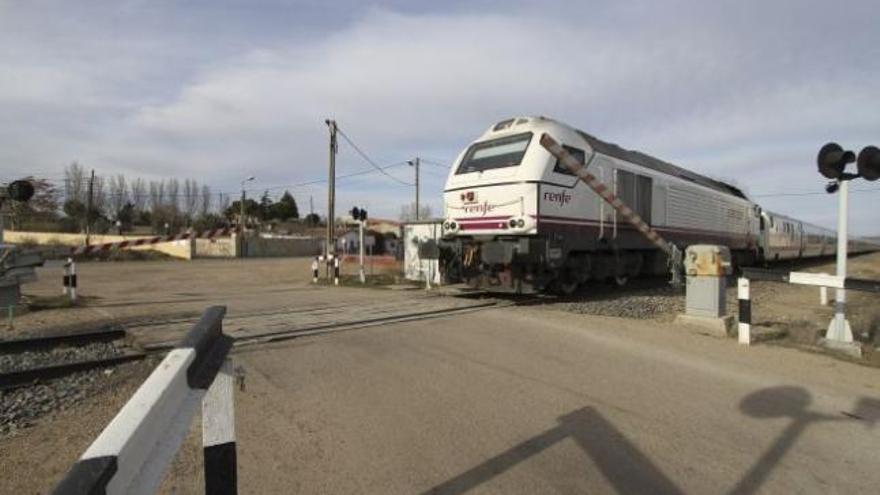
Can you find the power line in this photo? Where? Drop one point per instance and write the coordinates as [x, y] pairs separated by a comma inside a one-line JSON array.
[[435, 163], [812, 193], [370, 161]]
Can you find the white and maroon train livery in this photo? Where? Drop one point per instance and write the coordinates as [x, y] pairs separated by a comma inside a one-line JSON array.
[[517, 220]]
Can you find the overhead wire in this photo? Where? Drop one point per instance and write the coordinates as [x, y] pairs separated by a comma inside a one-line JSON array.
[[369, 160], [810, 193]]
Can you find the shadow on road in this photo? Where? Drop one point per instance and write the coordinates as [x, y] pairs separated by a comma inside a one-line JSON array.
[[620, 461], [628, 470]]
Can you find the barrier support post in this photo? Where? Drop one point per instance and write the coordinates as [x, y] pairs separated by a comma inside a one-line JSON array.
[[336, 270], [218, 434], [745, 311], [315, 270]]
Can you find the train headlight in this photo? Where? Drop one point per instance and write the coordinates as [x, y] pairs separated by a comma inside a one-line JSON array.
[[512, 223], [452, 226], [520, 223]]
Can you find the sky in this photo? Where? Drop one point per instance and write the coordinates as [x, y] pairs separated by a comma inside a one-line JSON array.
[[744, 91]]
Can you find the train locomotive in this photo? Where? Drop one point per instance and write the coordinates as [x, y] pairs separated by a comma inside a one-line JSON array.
[[517, 220]]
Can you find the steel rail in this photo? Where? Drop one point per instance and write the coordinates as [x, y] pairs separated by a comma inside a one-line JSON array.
[[22, 378], [46, 341]]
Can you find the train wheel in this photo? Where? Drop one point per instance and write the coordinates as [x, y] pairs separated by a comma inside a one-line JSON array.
[[621, 280], [564, 287]]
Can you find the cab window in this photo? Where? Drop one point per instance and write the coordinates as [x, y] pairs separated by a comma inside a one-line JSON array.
[[496, 153], [578, 155]]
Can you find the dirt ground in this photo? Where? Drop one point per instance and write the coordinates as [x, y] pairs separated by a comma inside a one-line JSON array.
[[32, 460]]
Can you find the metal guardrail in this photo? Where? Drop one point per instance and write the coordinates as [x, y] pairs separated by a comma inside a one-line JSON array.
[[134, 450]]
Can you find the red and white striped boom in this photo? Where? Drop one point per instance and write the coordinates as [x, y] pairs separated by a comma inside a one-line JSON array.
[[109, 246]]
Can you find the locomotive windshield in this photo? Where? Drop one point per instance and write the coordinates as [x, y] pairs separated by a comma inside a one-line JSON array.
[[497, 153]]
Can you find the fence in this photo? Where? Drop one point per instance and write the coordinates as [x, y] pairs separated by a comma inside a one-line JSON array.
[[134, 450], [797, 278]]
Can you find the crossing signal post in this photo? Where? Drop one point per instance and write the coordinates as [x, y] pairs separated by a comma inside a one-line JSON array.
[[360, 215], [832, 161], [17, 190]]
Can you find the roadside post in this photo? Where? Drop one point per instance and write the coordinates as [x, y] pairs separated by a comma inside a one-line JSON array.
[[69, 279], [315, 270], [743, 297]]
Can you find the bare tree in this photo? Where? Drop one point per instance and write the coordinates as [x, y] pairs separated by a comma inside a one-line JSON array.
[[205, 204], [157, 195], [190, 198], [99, 196], [223, 203], [139, 194], [117, 194], [173, 194], [75, 183]]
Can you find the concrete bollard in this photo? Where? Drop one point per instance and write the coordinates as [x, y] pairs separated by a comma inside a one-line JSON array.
[[315, 270], [823, 296], [745, 311], [69, 279]]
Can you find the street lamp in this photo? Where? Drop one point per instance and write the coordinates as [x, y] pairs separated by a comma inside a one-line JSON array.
[[249, 179]]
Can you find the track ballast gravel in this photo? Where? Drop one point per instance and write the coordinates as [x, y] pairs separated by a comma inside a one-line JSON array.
[[20, 407]]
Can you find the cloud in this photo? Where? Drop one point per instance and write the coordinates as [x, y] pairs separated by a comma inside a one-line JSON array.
[[738, 90]]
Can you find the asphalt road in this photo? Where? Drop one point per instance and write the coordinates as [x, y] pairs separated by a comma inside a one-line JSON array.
[[528, 400]]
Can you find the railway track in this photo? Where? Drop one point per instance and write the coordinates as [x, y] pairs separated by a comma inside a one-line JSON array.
[[56, 356], [29, 375]]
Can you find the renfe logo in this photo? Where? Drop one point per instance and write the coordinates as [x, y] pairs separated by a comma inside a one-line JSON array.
[[482, 209], [557, 197]]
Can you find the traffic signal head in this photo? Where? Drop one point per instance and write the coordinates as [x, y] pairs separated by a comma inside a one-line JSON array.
[[869, 163], [363, 215], [355, 213], [832, 160], [20, 190]]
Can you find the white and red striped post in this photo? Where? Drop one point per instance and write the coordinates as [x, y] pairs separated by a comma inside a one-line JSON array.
[[336, 270], [580, 170]]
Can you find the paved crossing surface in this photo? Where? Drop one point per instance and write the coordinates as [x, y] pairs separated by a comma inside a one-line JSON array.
[[525, 400]]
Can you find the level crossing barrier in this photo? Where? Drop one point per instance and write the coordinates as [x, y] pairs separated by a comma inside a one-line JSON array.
[[110, 246], [823, 280], [134, 450]]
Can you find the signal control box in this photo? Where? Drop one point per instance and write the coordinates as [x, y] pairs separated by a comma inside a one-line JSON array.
[[706, 260], [707, 267]]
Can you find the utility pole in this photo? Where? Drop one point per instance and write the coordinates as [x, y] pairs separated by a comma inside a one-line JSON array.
[[415, 163], [242, 221], [330, 247], [89, 207], [311, 206], [241, 237]]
